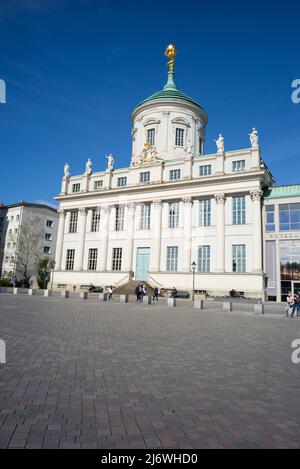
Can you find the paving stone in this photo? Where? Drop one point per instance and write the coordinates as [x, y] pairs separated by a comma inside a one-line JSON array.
[[89, 374]]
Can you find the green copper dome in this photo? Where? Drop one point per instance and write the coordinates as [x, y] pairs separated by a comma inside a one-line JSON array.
[[169, 92]]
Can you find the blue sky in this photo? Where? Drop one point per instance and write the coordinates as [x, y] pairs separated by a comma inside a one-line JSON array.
[[74, 71]]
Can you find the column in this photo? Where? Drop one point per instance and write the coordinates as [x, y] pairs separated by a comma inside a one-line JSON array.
[[82, 226], [60, 238], [103, 253], [256, 196], [156, 217], [187, 229], [220, 238], [130, 232]]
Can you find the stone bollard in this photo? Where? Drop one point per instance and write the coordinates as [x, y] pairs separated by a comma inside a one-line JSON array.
[[172, 302], [103, 296], [199, 304], [83, 295], [48, 293], [31, 291], [123, 298], [15, 291], [259, 308], [147, 300], [65, 294], [227, 306]]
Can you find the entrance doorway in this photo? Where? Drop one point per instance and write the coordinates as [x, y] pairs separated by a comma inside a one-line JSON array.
[[142, 263]]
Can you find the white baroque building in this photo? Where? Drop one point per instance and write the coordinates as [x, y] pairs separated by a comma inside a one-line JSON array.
[[172, 206]]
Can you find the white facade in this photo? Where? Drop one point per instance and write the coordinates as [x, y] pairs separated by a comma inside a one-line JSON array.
[[41, 221], [215, 219]]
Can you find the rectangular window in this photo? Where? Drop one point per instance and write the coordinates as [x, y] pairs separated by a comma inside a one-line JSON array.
[[179, 137], [92, 260], [239, 258], [95, 225], [75, 187], [270, 218], [151, 136], [172, 258], [119, 218], [49, 224], [70, 259], [204, 259], [205, 170], [175, 174], [117, 259], [48, 236], [98, 185], [73, 222], [238, 166], [205, 212], [174, 215], [46, 250], [289, 217], [239, 210], [145, 217], [145, 177], [122, 181]]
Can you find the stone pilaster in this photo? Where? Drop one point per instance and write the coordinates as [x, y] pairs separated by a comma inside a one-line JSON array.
[[60, 238], [220, 238], [156, 214], [256, 196]]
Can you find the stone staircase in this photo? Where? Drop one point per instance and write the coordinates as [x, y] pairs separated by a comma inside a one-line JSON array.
[[129, 288]]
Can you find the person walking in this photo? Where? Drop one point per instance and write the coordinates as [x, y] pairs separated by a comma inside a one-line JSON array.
[[291, 305], [155, 294], [110, 293], [144, 290], [141, 292], [173, 292], [137, 292]]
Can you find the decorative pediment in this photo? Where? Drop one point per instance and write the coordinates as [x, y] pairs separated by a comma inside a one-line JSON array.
[[180, 121], [151, 121]]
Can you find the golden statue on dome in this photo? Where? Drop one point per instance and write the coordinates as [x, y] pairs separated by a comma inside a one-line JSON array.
[[171, 52]]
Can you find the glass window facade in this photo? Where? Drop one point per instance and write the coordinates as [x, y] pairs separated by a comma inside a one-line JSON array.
[[151, 136], [239, 258], [239, 210], [204, 259], [290, 259], [205, 170], [145, 177], [289, 217], [73, 222], [172, 258], [117, 259], [270, 218], [179, 137], [205, 212], [175, 174], [238, 166], [92, 260], [122, 181], [145, 217], [174, 215]]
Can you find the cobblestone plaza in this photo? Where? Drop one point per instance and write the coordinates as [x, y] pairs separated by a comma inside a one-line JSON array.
[[85, 374]]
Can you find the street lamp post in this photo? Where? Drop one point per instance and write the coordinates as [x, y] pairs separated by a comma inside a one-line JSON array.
[[194, 265]]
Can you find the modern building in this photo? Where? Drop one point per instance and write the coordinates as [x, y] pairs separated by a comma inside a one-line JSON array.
[[27, 233], [172, 206], [282, 240]]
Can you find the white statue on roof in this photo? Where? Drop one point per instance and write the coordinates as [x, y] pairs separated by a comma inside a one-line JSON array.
[[254, 138], [88, 167], [67, 170], [110, 161], [220, 144]]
